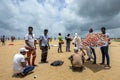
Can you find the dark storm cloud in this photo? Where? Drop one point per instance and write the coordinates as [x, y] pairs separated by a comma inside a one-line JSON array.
[[98, 8], [96, 13]]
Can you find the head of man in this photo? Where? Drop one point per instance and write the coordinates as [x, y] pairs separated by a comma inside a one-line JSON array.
[[45, 31], [68, 35], [59, 34], [103, 30], [30, 29], [23, 51], [90, 30], [75, 49]]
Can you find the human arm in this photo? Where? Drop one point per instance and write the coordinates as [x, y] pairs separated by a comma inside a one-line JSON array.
[[23, 62], [26, 42], [40, 42], [35, 42], [48, 43]]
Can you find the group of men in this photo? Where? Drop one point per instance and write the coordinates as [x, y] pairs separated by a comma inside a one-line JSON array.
[[23, 65], [77, 56]]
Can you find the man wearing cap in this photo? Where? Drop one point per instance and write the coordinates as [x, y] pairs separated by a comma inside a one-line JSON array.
[[44, 46], [19, 63], [31, 46], [77, 58]]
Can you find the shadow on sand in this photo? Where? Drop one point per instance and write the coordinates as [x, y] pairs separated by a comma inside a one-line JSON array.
[[19, 76], [77, 69], [93, 67]]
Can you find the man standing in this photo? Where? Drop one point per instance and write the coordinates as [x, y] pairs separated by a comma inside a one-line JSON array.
[[92, 49], [68, 40], [3, 40], [31, 46], [44, 46], [60, 43], [104, 50], [19, 64]]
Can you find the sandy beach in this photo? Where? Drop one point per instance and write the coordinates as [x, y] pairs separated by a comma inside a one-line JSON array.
[[48, 72]]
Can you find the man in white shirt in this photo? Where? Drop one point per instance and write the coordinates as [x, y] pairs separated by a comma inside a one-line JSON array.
[[31, 46], [19, 63]]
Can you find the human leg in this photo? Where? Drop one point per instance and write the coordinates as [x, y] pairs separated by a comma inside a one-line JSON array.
[[29, 56], [28, 69], [107, 55], [103, 55], [94, 54], [44, 54], [33, 58]]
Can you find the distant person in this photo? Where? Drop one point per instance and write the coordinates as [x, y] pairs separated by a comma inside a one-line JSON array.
[[20, 67], [44, 46], [12, 38], [3, 40], [77, 58], [68, 40], [60, 39], [92, 49], [104, 50], [31, 46]]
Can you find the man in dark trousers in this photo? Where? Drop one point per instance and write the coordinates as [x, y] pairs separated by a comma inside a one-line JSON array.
[[104, 50], [44, 46], [92, 49], [68, 40]]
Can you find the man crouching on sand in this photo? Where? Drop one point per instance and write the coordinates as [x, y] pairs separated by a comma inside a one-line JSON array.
[[19, 64], [77, 59]]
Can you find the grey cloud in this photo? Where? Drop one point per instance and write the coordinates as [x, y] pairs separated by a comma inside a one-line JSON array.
[[96, 8], [98, 12], [59, 16]]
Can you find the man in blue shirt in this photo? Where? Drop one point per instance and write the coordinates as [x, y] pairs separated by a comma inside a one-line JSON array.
[[44, 46]]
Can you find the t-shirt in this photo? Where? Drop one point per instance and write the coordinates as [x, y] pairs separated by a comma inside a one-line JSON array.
[[44, 40], [31, 39], [18, 58], [68, 39], [60, 39], [107, 37]]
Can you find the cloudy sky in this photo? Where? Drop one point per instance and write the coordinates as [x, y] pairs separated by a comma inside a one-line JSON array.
[[65, 16]]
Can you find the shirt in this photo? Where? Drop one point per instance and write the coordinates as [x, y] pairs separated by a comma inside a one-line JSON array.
[[44, 40], [18, 58], [60, 39], [31, 39], [107, 37]]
